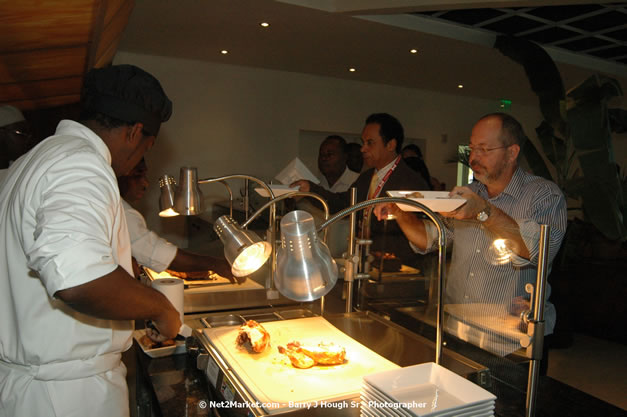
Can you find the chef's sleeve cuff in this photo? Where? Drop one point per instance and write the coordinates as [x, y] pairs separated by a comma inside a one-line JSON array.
[[77, 266]]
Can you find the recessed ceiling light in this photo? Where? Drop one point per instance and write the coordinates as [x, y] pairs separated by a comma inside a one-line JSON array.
[[413, 51], [460, 86], [224, 52], [352, 69], [264, 24]]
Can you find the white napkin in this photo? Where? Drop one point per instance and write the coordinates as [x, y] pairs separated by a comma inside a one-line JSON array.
[[295, 171]]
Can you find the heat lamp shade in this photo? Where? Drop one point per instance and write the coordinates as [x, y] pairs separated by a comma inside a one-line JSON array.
[[305, 268]]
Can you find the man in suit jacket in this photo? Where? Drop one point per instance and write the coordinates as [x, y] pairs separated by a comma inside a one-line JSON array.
[[382, 140]]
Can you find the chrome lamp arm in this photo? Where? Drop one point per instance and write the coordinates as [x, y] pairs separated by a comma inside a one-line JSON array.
[[187, 200], [293, 194], [271, 217], [441, 251], [240, 176]]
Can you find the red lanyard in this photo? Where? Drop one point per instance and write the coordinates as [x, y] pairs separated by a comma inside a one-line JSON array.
[[384, 180], [376, 194]]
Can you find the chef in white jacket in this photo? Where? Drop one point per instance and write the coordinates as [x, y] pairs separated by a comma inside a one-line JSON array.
[[67, 297], [147, 247]]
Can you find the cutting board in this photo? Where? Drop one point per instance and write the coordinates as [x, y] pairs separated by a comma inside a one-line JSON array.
[[217, 284], [270, 377]]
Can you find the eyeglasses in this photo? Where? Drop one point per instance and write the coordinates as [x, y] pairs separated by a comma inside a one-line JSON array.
[[482, 151]]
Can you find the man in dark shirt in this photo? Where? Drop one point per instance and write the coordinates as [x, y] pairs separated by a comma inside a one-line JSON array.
[[382, 140]]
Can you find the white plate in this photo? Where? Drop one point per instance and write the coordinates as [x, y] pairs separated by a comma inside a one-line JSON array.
[[387, 411], [178, 348], [420, 383], [366, 412], [478, 410], [434, 200], [277, 189], [471, 411], [372, 394], [377, 412]]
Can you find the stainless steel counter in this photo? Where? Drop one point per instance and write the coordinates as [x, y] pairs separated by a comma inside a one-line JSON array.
[[383, 337], [173, 386]]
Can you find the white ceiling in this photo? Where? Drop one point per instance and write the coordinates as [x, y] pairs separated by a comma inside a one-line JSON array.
[[327, 37]]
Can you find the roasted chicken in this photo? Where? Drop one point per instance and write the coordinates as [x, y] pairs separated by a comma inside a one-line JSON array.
[[253, 333], [148, 343], [298, 358], [303, 356]]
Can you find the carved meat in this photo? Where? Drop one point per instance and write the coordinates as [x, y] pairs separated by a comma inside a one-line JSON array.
[[255, 334], [148, 343], [307, 356], [325, 353], [297, 357], [192, 275]]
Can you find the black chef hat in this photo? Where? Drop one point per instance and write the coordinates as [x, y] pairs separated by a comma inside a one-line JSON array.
[[127, 93]]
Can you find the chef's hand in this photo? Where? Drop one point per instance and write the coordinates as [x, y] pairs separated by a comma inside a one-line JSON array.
[[382, 211], [221, 267], [469, 210], [167, 324], [303, 185]]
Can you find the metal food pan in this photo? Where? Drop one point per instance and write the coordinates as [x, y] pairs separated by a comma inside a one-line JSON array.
[[223, 320], [295, 314], [262, 317]]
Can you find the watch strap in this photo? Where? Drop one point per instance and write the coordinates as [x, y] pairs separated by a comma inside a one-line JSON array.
[[484, 214]]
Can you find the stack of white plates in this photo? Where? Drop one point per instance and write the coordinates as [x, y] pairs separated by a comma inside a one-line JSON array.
[[423, 390]]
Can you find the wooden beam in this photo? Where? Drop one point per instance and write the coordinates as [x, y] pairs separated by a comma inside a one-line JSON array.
[[115, 7], [112, 33], [45, 102], [30, 90], [32, 24], [42, 64]]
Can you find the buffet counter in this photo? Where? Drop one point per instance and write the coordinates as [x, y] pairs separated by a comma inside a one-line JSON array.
[[372, 344], [174, 386]]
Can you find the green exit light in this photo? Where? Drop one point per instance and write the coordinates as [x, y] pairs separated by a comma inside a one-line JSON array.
[[505, 104]]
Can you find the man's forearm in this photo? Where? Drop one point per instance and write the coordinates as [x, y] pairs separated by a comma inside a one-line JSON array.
[[190, 262], [336, 201], [116, 296], [413, 228], [502, 226]]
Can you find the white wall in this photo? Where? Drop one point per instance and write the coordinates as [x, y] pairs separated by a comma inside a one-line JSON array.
[[232, 119]]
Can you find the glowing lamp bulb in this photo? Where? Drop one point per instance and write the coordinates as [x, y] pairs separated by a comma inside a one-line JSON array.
[[251, 259]]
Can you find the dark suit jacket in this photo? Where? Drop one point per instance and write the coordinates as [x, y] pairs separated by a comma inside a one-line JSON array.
[[393, 240]]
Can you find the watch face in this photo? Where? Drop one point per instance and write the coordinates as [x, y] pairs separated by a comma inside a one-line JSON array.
[[482, 216]]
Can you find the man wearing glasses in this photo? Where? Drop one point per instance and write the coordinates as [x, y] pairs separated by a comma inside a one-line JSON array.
[[495, 233], [15, 135]]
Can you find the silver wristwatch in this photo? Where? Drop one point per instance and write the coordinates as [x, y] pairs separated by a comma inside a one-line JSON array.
[[484, 214]]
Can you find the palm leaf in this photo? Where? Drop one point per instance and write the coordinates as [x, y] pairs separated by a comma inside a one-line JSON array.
[[576, 136]]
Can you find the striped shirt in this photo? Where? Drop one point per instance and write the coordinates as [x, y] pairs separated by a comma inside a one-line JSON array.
[[484, 272]]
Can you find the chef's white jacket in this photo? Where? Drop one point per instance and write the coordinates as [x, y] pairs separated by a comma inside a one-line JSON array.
[[147, 247], [61, 225]]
